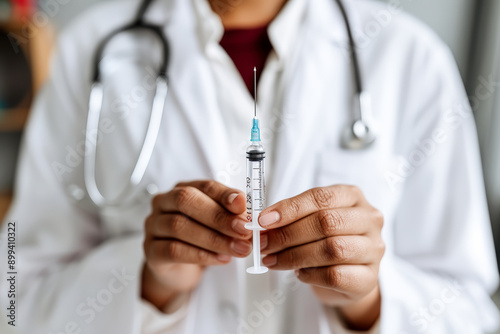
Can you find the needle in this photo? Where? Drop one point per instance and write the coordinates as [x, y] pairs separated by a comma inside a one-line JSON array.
[[255, 91]]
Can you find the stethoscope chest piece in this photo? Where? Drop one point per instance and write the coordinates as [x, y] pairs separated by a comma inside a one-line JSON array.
[[360, 133], [357, 136]]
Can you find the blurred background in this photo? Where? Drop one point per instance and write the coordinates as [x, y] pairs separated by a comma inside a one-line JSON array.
[[471, 28]]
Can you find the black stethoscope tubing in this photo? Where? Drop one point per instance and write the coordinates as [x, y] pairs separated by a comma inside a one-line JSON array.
[[157, 30], [137, 24], [358, 134]]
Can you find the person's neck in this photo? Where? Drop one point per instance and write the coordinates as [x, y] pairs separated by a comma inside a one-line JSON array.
[[241, 14]]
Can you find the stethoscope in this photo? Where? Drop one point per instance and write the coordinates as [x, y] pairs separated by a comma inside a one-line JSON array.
[[357, 134]]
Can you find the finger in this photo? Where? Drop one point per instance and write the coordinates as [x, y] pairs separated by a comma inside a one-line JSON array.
[[351, 249], [182, 228], [174, 251], [200, 207], [352, 280], [231, 199], [323, 224], [300, 206]]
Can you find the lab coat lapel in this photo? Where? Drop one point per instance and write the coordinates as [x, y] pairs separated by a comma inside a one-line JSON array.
[[296, 133], [192, 86], [307, 114]]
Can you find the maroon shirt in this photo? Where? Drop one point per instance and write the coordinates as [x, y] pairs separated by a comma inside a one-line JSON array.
[[247, 48]]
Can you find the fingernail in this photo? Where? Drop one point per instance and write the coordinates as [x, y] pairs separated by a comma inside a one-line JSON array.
[[238, 226], [231, 198], [241, 247], [270, 260], [269, 218], [264, 240], [223, 257]]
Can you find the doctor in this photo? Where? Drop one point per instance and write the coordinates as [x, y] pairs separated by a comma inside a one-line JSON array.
[[171, 258]]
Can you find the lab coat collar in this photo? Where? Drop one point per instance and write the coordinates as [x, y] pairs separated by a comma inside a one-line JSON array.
[[210, 28], [160, 12], [327, 24], [284, 29], [325, 20]]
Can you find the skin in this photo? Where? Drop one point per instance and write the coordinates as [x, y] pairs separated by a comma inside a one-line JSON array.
[[331, 236], [195, 225], [240, 14], [198, 224]]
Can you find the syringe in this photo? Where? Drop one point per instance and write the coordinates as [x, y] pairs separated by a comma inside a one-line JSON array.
[[256, 187]]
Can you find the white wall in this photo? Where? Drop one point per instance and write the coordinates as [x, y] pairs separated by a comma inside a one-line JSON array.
[[486, 65], [451, 19]]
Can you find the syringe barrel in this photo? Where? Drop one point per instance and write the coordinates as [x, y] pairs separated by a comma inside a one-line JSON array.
[[255, 182]]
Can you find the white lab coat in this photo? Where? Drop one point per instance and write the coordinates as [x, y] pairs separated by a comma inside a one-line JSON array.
[[79, 267]]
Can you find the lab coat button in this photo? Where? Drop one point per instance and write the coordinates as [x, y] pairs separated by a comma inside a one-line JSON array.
[[228, 310], [152, 189], [76, 192]]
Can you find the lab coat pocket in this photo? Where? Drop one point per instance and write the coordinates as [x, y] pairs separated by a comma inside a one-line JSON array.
[[370, 170]]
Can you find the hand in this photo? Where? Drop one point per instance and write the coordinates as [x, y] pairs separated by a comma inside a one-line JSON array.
[[196, 224], [332, 237]]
